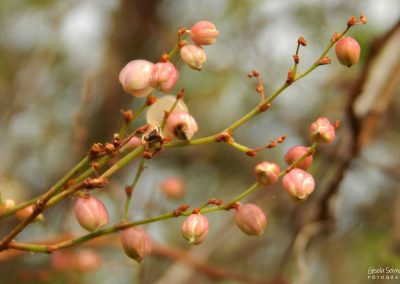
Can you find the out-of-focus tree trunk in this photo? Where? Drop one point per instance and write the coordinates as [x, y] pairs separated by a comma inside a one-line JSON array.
[[133, 22]]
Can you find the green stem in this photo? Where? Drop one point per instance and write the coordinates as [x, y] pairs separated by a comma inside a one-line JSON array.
[[41, 203], [139, 172], [114, 168], [121, 226]]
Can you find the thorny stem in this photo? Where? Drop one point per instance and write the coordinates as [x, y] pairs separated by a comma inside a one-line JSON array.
[[42, 204], [132, 187]]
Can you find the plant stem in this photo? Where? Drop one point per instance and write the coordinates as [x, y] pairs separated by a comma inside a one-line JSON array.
[[41, 203], [121, 226], [139, 172]]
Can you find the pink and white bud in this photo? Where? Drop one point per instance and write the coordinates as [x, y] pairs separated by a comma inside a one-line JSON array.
[[298, 184], [297, 152], [136, 243], [164, 76], [156, 111], [24, 213], [347, 51], [195, 228], [135, 77], [194, 56], [181, 125], [250, 219], [322, 130], [90, 213], [204, 33], [173, 188], [267, 173]]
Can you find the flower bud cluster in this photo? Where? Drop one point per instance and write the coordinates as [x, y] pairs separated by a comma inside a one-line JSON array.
[[141, 77]]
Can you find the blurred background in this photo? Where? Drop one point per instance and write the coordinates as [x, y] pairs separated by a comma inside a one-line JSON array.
[[59, 93]]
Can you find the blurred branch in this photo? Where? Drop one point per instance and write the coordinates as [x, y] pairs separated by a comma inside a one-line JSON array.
[[363, 113]]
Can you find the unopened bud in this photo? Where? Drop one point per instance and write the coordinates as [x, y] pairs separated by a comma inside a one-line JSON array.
[[90, 213], [204, 33], [195, 228], [297, 152], [302, 41], [322, 130], [267, 173], [352, 21], [347, 51], [135, 77], [136, 243], [363, 19], [194, 56], [164, 76], [173, 188], [298, 184], [181, 125], [250, 219]]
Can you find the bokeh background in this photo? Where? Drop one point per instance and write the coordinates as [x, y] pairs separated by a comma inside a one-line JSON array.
[[59, 93]]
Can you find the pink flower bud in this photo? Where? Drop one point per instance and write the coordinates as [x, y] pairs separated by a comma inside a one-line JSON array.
[[347, 51], [204, 33], [136, 243], [156, 111], [90, 213], [195, 228], [135, 77], [267, 173], [298, 183], [181, 125], [322, 130], [174, 188], [194, 56], [164, 76], [250, 219], [297, 152]]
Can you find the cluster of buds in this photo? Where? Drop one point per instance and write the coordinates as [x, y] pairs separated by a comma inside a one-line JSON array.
[[298, 183], [141, 77], [202, 33]]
